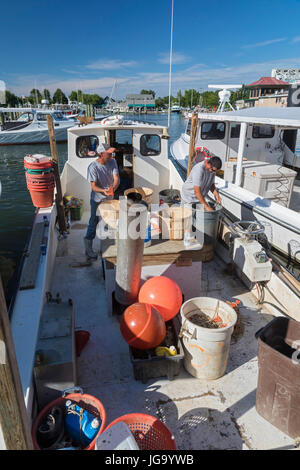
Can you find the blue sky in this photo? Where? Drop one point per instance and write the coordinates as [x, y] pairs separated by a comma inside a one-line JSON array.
[[89, 44]]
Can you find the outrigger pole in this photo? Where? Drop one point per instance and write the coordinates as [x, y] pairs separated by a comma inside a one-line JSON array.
[[14, 420]]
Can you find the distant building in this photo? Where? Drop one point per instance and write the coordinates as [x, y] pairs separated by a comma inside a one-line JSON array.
[[140, 101], [287, 75], [268, 91]]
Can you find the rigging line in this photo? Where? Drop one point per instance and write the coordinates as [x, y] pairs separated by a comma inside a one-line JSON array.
[[170, 72]]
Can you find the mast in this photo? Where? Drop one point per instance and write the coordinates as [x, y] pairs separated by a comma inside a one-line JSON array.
[[170, 72]]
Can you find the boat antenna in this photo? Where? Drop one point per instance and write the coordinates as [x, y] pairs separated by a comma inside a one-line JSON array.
[[224, 95], [170, 72]]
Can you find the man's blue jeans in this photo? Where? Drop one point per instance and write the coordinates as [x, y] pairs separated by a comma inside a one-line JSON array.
[[93, 222]]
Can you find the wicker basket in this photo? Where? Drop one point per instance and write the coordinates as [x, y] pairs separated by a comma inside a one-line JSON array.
[[146, 194]]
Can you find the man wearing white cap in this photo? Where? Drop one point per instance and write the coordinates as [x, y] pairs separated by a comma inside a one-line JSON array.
[[103, 175]]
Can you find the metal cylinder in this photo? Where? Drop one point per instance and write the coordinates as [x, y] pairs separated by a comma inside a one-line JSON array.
[[205, 223], [130, 249]]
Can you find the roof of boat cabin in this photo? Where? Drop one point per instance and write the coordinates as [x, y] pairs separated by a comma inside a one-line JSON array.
[[282, 117], [132, 125]]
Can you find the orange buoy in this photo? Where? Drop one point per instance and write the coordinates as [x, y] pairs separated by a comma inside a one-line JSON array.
[[162, 293], [142, 326]]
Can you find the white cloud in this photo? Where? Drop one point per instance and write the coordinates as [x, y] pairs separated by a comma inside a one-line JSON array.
[[108, 64], [296, 39], [197, 76], [264, 43], [177, 58]]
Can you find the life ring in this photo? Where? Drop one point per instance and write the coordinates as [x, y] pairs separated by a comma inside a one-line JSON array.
[[205, 154]]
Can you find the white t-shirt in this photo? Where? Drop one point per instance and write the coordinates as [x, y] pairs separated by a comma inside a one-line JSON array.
[[198, 176], [102, 175]]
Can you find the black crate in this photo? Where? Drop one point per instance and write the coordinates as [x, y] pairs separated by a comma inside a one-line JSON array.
[[147, 365]]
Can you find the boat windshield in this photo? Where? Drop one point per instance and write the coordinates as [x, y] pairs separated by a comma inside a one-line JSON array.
[[59, 116], [25, 117]]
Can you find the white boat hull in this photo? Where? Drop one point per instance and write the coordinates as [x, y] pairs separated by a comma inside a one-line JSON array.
[[37, 136], [282, 225]]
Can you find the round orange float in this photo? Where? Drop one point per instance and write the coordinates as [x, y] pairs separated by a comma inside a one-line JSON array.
[[162, 293], [142, 326]]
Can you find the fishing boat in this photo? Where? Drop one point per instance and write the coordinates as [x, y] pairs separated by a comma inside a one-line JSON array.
[[260, 166], [31, 126], [175, 108], [201, 413]]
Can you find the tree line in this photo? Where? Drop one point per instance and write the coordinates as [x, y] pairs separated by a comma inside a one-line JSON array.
[[207, 99], [36, 96], [189, 99]]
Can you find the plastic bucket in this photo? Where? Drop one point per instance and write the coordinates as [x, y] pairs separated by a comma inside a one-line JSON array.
[[37, 166], [169, 196], [42, 197], [43, 171], [39, 178], [206, 349], [87, 402], [149, 432]]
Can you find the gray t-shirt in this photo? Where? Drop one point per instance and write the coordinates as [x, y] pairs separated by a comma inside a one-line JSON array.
[[102, 175], [198, 176]]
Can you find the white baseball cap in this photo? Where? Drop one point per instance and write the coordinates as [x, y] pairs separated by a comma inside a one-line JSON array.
[[102, 148]]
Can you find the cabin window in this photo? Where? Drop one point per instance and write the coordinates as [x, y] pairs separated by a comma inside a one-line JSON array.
[[263, 132], [85, 144], [26, 117], [213, 130], [235, 131], [58, 116], [188, 127], [150, 144], [41, 117]]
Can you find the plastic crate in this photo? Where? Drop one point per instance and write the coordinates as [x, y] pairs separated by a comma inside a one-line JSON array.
[[147, 365]]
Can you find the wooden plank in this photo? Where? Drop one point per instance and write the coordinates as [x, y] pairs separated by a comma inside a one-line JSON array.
[[58, 196], [205, 254], [193, 135], [14, 421], [31, 264]]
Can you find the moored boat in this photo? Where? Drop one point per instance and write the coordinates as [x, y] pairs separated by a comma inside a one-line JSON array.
[[31, 126]]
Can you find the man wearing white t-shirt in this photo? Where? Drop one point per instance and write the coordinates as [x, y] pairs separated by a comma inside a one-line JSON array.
[[104, 177], [200, 181]]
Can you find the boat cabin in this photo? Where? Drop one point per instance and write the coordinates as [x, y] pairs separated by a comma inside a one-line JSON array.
[[22, 117], [141, 156], [266, 140]]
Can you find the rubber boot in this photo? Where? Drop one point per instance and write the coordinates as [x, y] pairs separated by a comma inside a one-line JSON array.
[[89, 249]]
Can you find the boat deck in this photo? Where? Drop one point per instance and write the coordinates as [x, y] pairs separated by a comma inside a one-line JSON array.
[[218, 414]]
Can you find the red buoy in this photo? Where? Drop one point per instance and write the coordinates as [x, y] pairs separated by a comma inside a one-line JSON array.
[[142, 326], [162, 293]]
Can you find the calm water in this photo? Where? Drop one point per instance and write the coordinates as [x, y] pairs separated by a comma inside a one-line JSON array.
[[16, 209]]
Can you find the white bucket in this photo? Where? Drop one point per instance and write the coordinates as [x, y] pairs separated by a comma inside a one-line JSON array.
[[206, 349]]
